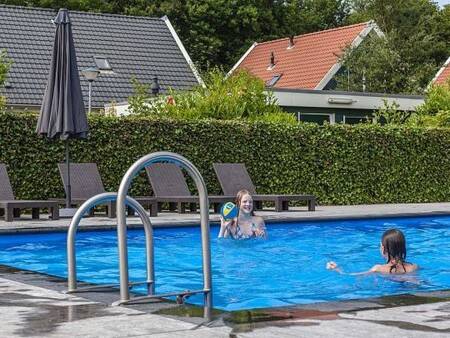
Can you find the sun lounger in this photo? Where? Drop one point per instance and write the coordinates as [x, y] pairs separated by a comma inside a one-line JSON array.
[[169, 186], [11, 207], [85, 182], [234, 177]]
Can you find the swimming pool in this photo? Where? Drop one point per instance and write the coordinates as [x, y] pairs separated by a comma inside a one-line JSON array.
[[286, 269]]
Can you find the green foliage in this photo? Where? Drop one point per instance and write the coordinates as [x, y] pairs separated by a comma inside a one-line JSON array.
[[5, 63], [240, 96], [390, 114], [435, 112], [340, 164], [437, 99], [138, 102], [416, 43]]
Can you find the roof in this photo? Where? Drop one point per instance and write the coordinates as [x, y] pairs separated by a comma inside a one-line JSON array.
[[312, 61], [143, 47], [443, 74]]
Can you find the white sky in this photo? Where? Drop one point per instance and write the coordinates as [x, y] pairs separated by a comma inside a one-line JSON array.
[[443, 2]]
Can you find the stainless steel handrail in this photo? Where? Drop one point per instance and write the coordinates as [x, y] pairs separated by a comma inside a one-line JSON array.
[[140, 164], [71, 254]]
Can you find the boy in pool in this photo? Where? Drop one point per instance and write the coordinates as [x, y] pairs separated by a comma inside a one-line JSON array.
[[393, 248]]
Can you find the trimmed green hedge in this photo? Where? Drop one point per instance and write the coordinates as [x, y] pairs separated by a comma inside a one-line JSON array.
[[340, 164]]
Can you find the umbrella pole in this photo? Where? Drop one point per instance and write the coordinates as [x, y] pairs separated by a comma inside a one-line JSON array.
[[69, 188]]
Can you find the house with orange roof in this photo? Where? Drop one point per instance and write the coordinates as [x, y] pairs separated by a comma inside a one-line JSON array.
[[301, 70], [443, 74], [308, 61]]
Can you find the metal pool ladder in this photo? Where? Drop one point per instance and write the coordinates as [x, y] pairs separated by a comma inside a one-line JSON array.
[[122, 202]]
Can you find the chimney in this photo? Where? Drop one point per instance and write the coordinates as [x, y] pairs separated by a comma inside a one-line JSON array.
[[272, 61], [291, 42]]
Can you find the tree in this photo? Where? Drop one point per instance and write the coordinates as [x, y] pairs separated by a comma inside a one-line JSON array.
[[416, 43], [305, 16]]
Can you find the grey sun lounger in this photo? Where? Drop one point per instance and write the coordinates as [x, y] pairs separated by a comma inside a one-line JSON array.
[[86, 182], [11, 207], [234, 177], [169, 186]]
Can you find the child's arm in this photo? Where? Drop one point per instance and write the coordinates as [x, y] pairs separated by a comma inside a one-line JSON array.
[[333, 266], [260, 230], [225, 227]]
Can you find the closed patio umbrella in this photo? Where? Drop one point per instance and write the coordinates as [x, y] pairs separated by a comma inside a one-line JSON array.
[[62, 113]]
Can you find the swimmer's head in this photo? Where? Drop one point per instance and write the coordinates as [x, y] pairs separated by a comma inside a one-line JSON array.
[[393, 246], [244, 202]]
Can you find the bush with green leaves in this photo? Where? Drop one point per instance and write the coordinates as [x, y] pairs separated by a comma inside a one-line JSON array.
[[340, 164], [4, 68], [240, 96], [435, 112], [390, 114]]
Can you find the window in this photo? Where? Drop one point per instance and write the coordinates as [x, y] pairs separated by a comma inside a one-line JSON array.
[[102, 64], [349, 119], [273, 80], [319, 118]]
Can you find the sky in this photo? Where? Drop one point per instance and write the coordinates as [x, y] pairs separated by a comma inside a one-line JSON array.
[[443, 2]]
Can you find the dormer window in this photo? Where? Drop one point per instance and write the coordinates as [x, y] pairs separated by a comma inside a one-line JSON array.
[[103, 65], [273, 80]]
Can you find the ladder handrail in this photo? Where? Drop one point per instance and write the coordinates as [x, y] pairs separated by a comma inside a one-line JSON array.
[[73, 227], [140, 164]]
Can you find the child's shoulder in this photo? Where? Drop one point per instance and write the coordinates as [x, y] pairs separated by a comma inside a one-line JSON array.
[[258, 219], [386, 268], [411, 267]]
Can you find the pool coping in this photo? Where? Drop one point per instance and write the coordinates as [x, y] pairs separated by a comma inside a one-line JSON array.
[[165, 220]]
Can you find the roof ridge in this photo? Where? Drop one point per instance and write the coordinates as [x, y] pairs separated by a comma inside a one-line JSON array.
[[318, 32], [79, 12]]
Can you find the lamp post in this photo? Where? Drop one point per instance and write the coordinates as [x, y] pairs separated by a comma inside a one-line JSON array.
[[90, 74]]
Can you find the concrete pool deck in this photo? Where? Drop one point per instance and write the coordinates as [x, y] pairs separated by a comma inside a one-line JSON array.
[[31, 311], [166, 219], [32, 305]]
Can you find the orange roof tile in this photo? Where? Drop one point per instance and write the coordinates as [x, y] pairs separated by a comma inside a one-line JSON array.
[[443, 74], [307, 63]]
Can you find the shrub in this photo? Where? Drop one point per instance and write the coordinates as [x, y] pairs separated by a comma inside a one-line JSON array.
[[240, 96], [5, 63], [435, 112], [340, 164], [390, 114]]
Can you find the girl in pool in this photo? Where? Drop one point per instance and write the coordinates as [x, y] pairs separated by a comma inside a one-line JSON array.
[[393, 249], [246, 224]]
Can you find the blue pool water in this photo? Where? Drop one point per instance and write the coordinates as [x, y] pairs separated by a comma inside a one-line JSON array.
[[288, 268]]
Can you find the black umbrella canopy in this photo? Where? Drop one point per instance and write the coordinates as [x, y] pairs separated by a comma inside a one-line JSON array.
[[62, 112]]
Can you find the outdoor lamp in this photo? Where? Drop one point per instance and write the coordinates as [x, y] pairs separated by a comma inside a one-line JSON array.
[[90, 74], [155, 86]]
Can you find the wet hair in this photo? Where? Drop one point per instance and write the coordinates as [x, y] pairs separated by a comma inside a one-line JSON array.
[[239, 196], [394, 246]]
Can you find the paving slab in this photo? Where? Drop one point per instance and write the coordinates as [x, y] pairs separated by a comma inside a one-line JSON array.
[[31, 311], [425, 320]]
